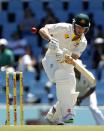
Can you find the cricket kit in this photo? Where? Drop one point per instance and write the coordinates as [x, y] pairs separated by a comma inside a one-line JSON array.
[[62, 73], [83, 86]]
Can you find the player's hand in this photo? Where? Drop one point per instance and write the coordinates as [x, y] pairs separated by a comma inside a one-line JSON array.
[[53, 44], [69, 59], [60, 55]]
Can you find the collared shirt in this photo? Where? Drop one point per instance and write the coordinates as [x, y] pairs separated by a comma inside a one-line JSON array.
[[64, 33]]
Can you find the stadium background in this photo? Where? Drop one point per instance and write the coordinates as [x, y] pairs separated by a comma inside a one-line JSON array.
[[16, 19]]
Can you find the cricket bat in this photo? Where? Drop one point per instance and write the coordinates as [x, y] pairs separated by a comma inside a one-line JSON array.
[[89, 76]]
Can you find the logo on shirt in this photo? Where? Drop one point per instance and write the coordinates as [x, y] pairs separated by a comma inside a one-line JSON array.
[[76, 41], [66, 36]]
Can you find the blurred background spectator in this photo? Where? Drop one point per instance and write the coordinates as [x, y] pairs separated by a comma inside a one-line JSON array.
[[26, 62], [6, 55], [98, 55], [17, 44]]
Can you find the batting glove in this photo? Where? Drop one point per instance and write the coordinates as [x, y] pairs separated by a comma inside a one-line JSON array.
[[60, 55], [53, 44]]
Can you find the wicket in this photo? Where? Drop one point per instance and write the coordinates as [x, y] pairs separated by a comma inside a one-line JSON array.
[[20, 74]]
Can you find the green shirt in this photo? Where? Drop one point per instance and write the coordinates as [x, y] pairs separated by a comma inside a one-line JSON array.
[[6, 58]]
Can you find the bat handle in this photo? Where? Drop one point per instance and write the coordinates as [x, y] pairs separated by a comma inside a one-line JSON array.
[[69, 60]]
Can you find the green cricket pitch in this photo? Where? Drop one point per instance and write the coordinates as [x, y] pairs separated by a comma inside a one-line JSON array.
[[51, 128]]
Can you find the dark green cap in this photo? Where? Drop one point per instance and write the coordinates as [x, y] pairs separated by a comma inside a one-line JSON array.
[[82, 20]]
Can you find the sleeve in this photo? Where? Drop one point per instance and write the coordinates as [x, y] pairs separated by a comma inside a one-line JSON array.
[[55, 28], [51, 28], [82, 46]]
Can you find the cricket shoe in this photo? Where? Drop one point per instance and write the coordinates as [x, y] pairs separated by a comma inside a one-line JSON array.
[[55, 122], [50, 117], [50, 120], [66, 122], [68, 119], [60, 123]]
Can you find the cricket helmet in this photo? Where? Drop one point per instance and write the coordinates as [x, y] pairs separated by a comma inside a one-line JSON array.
[[82, 20]]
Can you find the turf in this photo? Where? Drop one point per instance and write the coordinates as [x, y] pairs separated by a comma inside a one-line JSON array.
[[52, 128]]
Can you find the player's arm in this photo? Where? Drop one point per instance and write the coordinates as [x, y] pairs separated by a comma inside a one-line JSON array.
[[87, 94], [44, 33], [53, 43]]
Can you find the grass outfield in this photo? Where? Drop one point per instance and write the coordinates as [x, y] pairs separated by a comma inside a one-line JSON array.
[[51, 128]]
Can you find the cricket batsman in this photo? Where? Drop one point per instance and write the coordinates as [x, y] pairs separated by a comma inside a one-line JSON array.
[[64, 38], [87, 92]]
